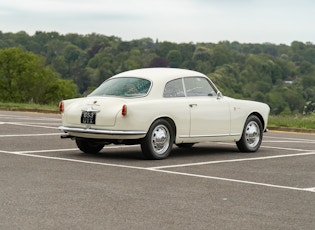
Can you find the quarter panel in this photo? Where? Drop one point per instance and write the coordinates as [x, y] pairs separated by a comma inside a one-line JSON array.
[[142, 114], [241, 109]]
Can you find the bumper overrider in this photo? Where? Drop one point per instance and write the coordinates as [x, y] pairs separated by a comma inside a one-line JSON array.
[[101, 133]]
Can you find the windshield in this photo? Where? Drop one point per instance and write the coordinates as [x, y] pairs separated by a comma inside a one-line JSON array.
[[123, 87]]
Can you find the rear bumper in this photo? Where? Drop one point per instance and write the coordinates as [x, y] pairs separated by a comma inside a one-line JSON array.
[[102, 134]]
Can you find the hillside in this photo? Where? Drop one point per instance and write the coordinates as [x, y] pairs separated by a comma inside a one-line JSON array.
[[281, 75]]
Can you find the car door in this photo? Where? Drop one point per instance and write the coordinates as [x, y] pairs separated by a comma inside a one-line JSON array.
[[210, 115], [177, 107]]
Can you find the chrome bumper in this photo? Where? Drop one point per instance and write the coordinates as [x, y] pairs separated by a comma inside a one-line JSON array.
[[101, 131]]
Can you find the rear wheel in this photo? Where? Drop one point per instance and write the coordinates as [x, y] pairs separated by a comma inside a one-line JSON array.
[[251, 136], [88, 145], [158, 142]]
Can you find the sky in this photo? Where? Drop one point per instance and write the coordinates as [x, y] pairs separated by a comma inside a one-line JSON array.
[[179, 21]]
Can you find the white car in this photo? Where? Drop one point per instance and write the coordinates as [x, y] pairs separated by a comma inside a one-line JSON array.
[[159, 107]]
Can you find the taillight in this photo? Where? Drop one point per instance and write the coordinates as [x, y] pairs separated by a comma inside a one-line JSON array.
[[61, 107], [124, 110]]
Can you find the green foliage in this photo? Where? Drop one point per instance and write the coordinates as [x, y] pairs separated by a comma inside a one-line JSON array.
[[29, 107], [281, 75], [24, 78], [296, 121], [175, 58]]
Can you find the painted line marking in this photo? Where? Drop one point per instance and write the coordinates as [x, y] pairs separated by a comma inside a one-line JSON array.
[[293, 141], [29, 118], [282, 148], [288, 138], [233, 180], [25, 154], [263, 146], [28, 125], [73, 149], [31, 123], [310, 189], [40, 123], [155, 169], [31, 135], [234, 160]]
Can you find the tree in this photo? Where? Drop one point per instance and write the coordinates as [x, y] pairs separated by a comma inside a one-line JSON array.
[[202, 54], [25, 79], [175, 58], [221, 55], [159, 62], [252, 71]]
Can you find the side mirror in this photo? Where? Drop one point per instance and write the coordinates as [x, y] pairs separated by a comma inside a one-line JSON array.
[[219, 95]]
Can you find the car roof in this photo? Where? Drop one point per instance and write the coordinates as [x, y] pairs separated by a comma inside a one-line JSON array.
[[159, 77], [160, 73]]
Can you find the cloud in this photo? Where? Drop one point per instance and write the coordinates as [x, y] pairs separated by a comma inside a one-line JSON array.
[[174, 20]]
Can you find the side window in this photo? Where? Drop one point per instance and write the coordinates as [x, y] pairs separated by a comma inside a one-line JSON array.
[[174, 88], [198, 86]]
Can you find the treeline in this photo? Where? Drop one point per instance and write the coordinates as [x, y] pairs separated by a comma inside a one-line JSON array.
[[281, 75]]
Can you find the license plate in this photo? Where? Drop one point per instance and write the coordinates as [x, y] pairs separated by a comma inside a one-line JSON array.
[[88, 117]]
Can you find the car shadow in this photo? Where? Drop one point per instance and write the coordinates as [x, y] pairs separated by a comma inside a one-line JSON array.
[[135, 154], [203, 151]]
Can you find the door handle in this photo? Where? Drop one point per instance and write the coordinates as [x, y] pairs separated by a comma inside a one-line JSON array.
[[192, 105]]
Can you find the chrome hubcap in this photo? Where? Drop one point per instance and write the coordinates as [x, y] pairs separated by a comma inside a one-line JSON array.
[[252, 134], [160, 139]]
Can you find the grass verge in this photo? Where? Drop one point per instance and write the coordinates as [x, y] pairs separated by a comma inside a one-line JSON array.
[[296, 121], [29, 107]]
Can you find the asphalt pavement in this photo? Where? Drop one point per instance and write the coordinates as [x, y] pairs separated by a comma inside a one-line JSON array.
[[47, 183]]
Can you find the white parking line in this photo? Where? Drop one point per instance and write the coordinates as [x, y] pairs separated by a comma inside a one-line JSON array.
[[283, 148], [229, 161], [29, 125], [31, 135], [233, 180], [265, 146], [310, 189], [293, 141], [26, 154], [40, 123], [290, 139], [158, 169], [29, 118]]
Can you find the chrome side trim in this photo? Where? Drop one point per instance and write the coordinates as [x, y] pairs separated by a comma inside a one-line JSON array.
[[101, 131], [216, 135]]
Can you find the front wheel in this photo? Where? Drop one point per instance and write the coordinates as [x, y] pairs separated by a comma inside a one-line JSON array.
[[159, 140], [88, 145], [251, 136]]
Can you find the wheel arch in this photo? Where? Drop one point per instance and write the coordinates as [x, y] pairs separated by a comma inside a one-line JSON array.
[[260, 117]]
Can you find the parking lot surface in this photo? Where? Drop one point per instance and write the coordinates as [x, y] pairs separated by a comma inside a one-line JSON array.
[[47, 183]]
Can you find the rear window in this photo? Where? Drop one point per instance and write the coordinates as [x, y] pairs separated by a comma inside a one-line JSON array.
[[123, 87]]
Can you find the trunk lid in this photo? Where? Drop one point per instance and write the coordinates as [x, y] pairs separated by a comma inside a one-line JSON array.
[[104, 108]]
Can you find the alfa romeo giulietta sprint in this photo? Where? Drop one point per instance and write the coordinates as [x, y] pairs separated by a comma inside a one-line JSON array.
[[160, 107]]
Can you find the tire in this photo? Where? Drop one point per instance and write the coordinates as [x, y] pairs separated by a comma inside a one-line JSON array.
[[159, 140], [88, 145], [251, 136]]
